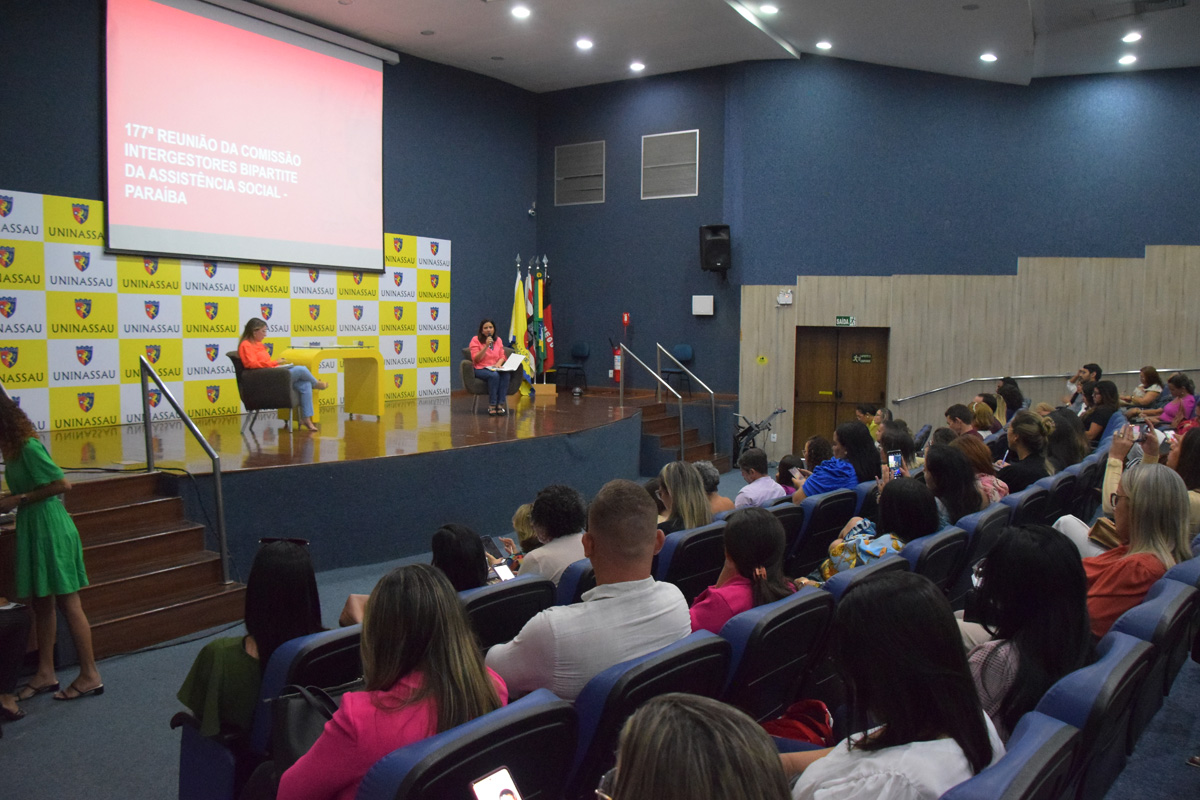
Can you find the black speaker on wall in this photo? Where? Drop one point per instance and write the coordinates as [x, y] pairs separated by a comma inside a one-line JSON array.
[[714, 248]]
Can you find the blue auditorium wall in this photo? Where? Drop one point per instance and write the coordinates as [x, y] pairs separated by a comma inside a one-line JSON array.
[[629, 254]]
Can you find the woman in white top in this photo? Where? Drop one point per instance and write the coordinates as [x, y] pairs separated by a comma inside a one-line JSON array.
[[559, 516], [1146, 393], [906, 671]]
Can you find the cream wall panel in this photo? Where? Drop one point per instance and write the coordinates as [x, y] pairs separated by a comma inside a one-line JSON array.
[[821, 298], [768, 330]]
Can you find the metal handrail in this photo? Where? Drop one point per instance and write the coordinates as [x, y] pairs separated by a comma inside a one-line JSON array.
[[657, 377], [147, 372], [712, 396], [1028, 378]]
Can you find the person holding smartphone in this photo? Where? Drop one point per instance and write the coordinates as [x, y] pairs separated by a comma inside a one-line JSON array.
[[487, 351]]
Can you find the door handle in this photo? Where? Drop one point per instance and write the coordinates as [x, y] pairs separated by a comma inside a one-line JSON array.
[[838, 394]]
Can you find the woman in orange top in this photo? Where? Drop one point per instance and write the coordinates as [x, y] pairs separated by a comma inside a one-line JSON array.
[[254, 355]]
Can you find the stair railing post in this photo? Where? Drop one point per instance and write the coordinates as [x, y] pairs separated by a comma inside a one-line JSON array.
[[221, 538], [658, 372], [621, 382], [682, 445], [146, 416]]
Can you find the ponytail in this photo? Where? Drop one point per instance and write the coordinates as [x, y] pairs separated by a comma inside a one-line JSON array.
[[754, 542]]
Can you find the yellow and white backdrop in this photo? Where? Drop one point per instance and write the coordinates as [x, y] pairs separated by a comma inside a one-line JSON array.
[[74, 320]]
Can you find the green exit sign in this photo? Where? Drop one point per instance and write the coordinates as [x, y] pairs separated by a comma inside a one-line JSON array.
[[845, 322], [861, 358]]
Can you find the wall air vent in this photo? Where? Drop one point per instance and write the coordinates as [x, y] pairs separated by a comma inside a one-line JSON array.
[[671, 165], [579, 174]]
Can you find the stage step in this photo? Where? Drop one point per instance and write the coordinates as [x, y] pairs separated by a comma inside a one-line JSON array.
[[152, 580], [660, 441]]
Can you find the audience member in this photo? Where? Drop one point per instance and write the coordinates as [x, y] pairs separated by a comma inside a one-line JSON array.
[[1088, 390], [1031, 596], [1104, 404], [959, 419], [1027, 435], [783, 472], [281, 603], [1010, 393], [1077, 394], [984, 419], [1146, 395], [423, 675], [761, 489], [892, 439], [558, 516], [855, 460], [627, 615], [652, 487], [988, 400], [949, 475], [907, 511], [1181, 406], [684, 498], [753, 571], [941, 436], [1043, 409], [712, 483], [685, 747], [882, 416], [865, 413], [977, 453], [817, 450], [522, 522], [917, 722], [1066, 444]]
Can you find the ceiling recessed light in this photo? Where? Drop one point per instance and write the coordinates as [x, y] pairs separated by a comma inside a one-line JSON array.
[[427, 33], [1131, 37], [584, 44], [520, 12], [769, 9], [824, 45], [1126, 59], [637, 66], [988, 57]]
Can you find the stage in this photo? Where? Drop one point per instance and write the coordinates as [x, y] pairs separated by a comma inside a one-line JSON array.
[[364, 490]]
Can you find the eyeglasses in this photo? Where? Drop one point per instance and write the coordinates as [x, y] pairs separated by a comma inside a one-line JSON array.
[[605, 787], [1114, 497], [273, 539]]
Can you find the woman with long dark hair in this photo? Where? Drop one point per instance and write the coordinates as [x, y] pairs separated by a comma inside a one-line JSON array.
[[1181, 406], [424, 674], [49, 566], [254, 355], [753, 571], [221, 688], [855, 460], [458, 552], [1032, 598], [1105, 403], [487, 352], [907, 511], [950, 477], [917, 724], [1066, 444]]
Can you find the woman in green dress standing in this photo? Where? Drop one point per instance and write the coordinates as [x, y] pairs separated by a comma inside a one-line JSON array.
[[49, 553]]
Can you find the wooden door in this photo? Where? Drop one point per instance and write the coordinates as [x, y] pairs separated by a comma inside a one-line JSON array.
[[836, 369]]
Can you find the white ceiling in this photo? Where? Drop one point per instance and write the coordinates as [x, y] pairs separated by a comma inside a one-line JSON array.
[[1031, 38]]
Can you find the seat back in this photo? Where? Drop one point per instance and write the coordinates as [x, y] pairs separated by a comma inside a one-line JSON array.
[[937, 556], [1166, 618], [824, 517], [683, 353], [693, 559], [773, 647], [1098, 700], [983, 529], [208, 769], [791, 517], [498, 612], [842, 582], [697, 664], [580, 351], [1028, 506], [1060, 492], [534, 738], [576, 579], [1087, 485], [1036, 764], [922, 437], [1115, 423], [1187, 571], [868, 499]]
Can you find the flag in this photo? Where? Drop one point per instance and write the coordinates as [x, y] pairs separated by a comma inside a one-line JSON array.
[[536, 325], [548, 326], [530, 333], [517, 329]]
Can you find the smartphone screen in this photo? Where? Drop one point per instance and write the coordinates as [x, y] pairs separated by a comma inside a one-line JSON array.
[[795, 472], [894, 462], [496, 786], [1137, 432], [503, 572], [489, 545]]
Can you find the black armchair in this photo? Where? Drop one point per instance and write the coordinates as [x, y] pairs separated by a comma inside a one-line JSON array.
[[267, 389]]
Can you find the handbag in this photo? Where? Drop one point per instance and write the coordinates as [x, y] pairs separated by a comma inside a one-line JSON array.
[[298, 717], [804, 721]]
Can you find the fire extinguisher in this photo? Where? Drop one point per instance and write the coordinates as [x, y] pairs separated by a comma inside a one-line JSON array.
[[616, 349]]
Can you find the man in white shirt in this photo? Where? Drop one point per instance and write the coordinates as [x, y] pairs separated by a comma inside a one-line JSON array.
[[627, 615], [1074, 397], [761, 489], [559, 515]]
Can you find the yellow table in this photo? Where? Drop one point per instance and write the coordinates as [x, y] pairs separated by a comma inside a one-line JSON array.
[[361, 377]]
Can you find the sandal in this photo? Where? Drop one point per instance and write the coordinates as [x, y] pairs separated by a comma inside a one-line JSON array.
[[501, 411], [29, 691], [1194, 761], [95, 691], [493, 411]]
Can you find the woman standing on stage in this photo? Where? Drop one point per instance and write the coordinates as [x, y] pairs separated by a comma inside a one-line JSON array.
[[49, 553], [487, 352], [254, 355]]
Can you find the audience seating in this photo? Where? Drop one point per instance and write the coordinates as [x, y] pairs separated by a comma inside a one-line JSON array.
[[1028, 506], [773, 647], [839, 584], [1166, 619], [1036, 764], [1098, 699], [982, 528], [576, 579], [922, 437], [1087, 487], [1186, 572], [692, 559], [498, 612], [1115, 423], [1060, 493], [824, 517], [937, 556], [868, 499], [534, 738], [781, 501], [216, 767], [696, 664], [791, 517]]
